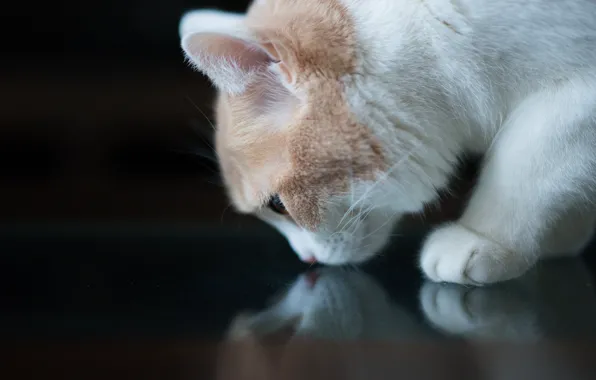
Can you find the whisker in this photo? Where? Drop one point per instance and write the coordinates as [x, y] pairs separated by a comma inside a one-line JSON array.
[[382, 177], [382, 225], [221, 219], [201, 111], [359, 218], [199, 152], [200, 133]]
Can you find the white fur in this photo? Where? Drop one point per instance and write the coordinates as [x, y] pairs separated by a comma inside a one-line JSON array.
[[514, 80], [353, 239], [210, 20]]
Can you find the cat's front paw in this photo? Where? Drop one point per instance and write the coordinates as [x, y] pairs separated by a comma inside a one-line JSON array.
[[458, 255]]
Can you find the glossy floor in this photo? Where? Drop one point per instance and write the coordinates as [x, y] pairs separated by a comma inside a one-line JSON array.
[[202, 302]]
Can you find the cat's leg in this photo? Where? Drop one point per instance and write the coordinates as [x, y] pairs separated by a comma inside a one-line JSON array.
[[541, 164]]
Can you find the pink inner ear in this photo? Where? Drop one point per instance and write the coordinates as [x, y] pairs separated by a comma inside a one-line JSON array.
[[223, 49]]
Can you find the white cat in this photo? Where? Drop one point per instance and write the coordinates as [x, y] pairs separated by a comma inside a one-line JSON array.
[[336, 117]]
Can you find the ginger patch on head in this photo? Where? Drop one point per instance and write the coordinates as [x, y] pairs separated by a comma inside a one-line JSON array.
[[290, 133], [328, 149]]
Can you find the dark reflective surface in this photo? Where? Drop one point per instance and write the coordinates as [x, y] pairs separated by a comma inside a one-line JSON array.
[[203, 302], [556, 301]]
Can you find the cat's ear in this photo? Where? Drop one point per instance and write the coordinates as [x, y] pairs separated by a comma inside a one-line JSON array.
[[229, 62], [282, 60], [220, 45], [205, 20]]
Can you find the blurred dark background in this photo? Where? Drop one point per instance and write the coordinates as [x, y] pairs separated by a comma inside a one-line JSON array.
[[99, 116]]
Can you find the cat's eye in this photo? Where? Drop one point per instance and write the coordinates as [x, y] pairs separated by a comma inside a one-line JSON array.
[[277, 205]]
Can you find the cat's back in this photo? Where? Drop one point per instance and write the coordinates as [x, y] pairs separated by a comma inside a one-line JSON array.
[[541, 37]]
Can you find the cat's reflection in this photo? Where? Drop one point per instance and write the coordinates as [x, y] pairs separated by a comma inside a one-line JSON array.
[[332, 304], [331, 323], [533, 314], [554, 301], [291, 336]]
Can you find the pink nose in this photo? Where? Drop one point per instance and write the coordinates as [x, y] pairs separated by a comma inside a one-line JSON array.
[[311, 260]]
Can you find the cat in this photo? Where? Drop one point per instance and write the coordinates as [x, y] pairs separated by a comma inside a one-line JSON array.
[[337, 117]]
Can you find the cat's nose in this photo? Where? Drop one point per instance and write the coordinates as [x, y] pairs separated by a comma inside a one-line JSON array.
[[310, 260]]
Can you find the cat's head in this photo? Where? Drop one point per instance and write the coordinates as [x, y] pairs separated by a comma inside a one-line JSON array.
[[292, 147]]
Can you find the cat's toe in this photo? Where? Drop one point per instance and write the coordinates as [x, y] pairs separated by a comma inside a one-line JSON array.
[[458, 255]]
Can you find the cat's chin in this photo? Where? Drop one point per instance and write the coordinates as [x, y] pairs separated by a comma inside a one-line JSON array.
[[360, 258], [357, 258], [359, 246], [359, 242]]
